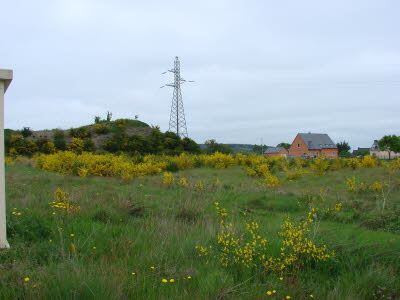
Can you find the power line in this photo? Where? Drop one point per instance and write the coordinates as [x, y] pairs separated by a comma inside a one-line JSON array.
[[177, 120]]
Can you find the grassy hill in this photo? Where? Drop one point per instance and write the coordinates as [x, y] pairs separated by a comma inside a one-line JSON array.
[[98, 132]]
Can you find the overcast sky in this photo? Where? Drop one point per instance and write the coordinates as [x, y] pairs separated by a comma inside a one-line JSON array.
[[263, 69]]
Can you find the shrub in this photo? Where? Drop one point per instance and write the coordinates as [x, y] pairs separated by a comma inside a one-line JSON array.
[[20, 146], [320, 166], [101, 129], [88, 145], [59, 139], [172, 166], [26, 132], [396, 164], [368, 161], [48, 148], [80, 133], [354, 163], [76, 145]]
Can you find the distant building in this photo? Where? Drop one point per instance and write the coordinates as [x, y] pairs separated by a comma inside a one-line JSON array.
[[313, 145], [382, 154], [360, 151], [276, 151]]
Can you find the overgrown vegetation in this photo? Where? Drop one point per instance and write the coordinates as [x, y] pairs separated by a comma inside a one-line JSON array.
[[317, 236]]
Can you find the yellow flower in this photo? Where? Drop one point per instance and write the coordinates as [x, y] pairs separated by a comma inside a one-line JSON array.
[[274, 291], [280, 278], [288, 297], [72, 235], [35, 285], [269, 293], [189, 277], [311, 296], [133, 273], [152, 268], [164, 280], [26, 279], [94, 248], [172, 280]]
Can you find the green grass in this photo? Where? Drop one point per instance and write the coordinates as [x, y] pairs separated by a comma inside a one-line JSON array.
[[135, 228]]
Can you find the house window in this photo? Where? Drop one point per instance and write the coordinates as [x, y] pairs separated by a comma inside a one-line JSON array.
[[298, 145], [333, 154]]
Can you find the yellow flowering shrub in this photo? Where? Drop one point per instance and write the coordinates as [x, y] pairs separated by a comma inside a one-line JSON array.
[[76, 145], [260, 170], [219, 160], [168, 178], [320, 166], [63, 204], [183, 182], [357, 186], [199, 186], [83, 172], [251, 250], [271, 180], [354, 163], [9, 161], [369, 161], [295, 174], [395, 165], [68, 162]]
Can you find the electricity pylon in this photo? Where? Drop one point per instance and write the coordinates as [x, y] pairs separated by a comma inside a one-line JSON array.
[[177, 121]]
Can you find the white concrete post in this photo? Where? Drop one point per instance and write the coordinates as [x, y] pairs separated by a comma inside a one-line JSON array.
[[5, 80]]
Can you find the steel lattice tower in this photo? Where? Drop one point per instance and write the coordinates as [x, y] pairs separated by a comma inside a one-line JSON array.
[[177, 121]]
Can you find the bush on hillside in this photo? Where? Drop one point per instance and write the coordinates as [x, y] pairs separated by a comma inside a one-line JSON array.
[[21, 146], [80, 133], [59, 139]]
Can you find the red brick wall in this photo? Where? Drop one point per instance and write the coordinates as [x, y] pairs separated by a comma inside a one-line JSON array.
[[330, 153], [295, 150], [283, 151]]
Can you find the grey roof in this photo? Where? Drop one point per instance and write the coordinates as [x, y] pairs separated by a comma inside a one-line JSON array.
[[318, 141], [273, 150], [360, 151]]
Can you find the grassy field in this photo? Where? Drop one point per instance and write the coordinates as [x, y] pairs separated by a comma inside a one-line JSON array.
[[129, 235]]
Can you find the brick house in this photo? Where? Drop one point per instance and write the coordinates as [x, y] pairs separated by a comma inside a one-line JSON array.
[[312, 145], [276, 151]]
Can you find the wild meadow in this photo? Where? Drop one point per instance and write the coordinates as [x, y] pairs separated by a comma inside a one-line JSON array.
[[88, 226]]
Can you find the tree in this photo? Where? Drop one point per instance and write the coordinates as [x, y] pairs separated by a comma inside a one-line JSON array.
[[76, 145], [97, 120], [390, 143], [284, 145], [212, 146], [155, 140], [259, 148], [343, 149], [59, 139], [109, 116], [190, 146], [88, 145], [26, 132]]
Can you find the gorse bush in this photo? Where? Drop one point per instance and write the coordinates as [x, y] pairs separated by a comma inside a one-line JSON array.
[[80, 133], [18, 145], [76, 145], [101, 129], [253, 250]]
